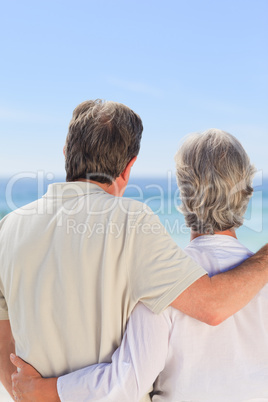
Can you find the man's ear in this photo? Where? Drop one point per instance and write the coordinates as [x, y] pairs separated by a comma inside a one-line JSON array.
[[64, 150], [125, 174]]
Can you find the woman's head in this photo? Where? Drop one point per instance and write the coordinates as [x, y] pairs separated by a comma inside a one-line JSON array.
[[214, 175]]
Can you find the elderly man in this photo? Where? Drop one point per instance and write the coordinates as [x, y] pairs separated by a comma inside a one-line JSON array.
[[74, 264]]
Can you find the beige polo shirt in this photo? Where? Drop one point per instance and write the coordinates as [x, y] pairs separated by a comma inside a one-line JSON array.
[[72, 267]]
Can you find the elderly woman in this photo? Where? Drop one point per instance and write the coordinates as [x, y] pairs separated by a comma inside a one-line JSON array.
[[185, 359]]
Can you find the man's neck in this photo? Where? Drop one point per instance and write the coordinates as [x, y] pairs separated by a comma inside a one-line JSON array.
[[112, 189], [229, 232]]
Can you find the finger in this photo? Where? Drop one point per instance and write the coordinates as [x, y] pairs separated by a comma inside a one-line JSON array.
[[14, 376], [14, 395], [17, 361]]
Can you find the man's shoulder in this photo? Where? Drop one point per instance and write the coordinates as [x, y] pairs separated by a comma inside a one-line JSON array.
[[26, 210], [133, 207]]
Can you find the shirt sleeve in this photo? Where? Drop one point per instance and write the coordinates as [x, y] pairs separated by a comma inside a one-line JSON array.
[[134, 367], [159, 271], [3, 306]]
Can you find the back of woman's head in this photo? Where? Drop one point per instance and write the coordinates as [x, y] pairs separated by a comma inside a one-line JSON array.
[[214, 175]]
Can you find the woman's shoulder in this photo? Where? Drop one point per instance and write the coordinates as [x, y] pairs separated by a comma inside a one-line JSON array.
[[142, 315]]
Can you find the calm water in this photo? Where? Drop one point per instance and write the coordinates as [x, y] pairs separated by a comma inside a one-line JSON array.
[[160, 194]]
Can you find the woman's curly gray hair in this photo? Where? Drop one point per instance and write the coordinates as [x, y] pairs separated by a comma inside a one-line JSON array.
[[214, 175]]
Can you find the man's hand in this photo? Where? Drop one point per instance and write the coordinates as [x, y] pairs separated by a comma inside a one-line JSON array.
[[29, 386]]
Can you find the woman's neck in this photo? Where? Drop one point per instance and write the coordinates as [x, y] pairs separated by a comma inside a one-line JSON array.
[[229, 232]]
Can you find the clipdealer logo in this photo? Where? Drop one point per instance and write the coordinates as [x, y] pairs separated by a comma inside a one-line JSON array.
[[162, 198]]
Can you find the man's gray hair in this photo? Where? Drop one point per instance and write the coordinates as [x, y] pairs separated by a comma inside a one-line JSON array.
[[214, 175], [102, 138]]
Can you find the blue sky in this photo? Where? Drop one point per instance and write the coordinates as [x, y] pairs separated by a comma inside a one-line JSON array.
[[184, 66]]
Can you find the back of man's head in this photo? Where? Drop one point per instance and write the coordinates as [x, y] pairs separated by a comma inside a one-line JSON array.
[[102, 138]]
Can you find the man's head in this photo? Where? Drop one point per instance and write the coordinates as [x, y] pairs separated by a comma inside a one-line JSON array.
[[214, 176], [103, 138]]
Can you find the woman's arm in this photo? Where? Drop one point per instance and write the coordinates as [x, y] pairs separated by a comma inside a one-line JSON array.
[[134, 367]]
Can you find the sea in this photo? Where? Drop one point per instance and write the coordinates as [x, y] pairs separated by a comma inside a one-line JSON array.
[[159, 193]]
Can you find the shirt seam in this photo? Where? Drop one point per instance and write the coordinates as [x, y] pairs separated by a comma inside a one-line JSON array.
[[127, 259], [188, 280], [4, 315]]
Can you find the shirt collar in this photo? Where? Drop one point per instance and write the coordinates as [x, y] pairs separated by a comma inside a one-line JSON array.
[[72, 189]]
